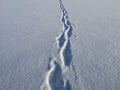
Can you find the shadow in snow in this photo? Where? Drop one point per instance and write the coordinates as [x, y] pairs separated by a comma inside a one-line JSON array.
[[67, 54], [61, 40], [56, 79], [68, 86]]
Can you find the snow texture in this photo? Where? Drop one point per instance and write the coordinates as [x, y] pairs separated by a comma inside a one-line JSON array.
[[59, 45]]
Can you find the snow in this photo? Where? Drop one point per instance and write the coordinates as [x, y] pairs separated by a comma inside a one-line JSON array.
[[43, 49]]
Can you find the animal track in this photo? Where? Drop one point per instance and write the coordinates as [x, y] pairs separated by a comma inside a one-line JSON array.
[[54, 79]]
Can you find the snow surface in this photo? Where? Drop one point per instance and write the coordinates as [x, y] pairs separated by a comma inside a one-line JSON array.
[[59, 45]]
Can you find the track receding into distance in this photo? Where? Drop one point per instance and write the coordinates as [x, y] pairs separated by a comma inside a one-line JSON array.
[[60, 60]]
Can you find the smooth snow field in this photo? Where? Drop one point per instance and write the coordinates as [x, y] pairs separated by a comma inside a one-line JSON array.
[[59, 44]]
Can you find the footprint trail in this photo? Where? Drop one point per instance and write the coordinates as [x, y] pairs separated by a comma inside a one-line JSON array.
[[61, 57], [65, 46]]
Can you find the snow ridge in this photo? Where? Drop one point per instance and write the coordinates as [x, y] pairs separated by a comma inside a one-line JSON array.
[[65, 52], [61, 57]]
